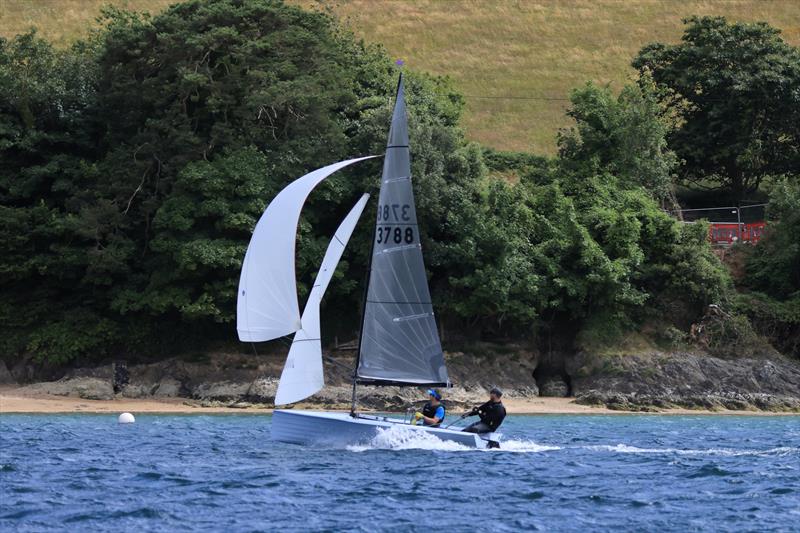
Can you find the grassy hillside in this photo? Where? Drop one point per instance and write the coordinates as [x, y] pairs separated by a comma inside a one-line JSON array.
[[516, 60]]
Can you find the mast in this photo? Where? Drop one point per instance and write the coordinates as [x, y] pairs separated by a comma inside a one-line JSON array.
[[366, 283], [363, 315]]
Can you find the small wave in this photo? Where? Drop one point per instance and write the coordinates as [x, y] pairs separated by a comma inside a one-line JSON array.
[[142, 512], [624, 448], [710, 471]]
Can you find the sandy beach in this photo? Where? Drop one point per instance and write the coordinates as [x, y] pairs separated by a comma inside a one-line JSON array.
[[14, 401]]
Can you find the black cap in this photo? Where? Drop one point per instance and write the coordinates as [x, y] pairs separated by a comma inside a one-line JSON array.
[[496, 391]]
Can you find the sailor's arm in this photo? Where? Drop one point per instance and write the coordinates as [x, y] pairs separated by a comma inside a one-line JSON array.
[[478, 410], [430, 420]]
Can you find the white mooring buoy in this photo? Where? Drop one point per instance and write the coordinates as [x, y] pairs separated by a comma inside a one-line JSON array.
[[126, 418]]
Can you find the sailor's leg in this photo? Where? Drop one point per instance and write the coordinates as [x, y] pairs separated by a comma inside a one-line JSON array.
[[477, 427]]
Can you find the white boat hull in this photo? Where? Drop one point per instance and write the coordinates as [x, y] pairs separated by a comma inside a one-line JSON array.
[[342, 429]]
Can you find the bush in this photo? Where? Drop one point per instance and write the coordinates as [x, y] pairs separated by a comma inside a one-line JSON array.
[[773, 270]]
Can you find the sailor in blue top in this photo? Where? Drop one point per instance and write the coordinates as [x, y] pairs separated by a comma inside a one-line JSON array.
[[433, 412]]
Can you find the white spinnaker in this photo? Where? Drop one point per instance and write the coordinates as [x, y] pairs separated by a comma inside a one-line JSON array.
[[302, 374], [267, 306]]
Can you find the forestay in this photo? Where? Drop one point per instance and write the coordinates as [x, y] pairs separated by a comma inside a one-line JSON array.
[[267, 306], [303, 375], [399, 339]]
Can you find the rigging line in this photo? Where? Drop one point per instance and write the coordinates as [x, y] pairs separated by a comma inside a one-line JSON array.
[[337, 363], [367, 283]]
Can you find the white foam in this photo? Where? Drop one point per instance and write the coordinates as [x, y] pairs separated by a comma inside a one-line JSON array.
[[523, 446], [402, 438], [624, 448]]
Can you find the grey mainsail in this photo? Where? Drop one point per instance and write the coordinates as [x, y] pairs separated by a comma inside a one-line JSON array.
[[399, 340]]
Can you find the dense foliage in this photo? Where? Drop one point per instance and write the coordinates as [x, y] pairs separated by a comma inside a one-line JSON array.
[[773, 271], [734, 90], [134, 166]]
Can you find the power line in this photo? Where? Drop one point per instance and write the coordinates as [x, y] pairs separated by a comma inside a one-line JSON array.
[[549, 98]]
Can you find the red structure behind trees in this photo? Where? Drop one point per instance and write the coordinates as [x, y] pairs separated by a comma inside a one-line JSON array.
[[725, 233], [729, 225]]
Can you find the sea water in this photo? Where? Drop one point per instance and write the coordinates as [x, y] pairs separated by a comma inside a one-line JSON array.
[[554, 473]]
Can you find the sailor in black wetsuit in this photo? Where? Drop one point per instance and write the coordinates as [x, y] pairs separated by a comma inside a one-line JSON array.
[[492, 414]]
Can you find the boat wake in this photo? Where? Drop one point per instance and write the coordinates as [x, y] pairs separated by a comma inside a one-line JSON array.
[[624, 448], [401, 438], [523, 446]]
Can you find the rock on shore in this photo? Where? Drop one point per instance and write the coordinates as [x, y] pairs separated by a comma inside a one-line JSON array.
[[659, 380], [88, 388], [242, 380], [642, 382]]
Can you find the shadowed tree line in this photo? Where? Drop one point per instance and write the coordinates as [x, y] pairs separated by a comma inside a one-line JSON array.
[[134, 165]]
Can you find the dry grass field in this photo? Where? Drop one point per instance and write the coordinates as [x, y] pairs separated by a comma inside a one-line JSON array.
[[515, 60]]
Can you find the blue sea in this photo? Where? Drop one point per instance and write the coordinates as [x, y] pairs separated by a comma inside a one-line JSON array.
[[556, 473]]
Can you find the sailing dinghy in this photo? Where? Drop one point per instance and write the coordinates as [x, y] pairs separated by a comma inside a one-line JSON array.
[[399, 342]]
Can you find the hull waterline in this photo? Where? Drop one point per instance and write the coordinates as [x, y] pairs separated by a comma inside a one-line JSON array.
[[341, 429]]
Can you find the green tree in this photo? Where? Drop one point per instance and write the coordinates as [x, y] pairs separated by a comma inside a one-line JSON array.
[[637, 262], [47, 153], [773, 270], [775, 267], [736, 91], [625, 135], [156, 146]]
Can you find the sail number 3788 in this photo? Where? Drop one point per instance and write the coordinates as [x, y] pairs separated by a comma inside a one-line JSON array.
[[396, 233]]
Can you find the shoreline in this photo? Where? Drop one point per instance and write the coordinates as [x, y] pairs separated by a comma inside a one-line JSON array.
[[12, 402]]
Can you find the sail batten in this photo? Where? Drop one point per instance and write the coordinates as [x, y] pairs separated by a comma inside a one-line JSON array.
[[303, 374], [399, 343]]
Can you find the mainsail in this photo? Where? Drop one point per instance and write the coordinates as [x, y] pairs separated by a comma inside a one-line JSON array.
[[302, 375], [267, 306], [399, 341]]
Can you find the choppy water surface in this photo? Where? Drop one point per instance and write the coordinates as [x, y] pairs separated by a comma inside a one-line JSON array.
[[557, 473]]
